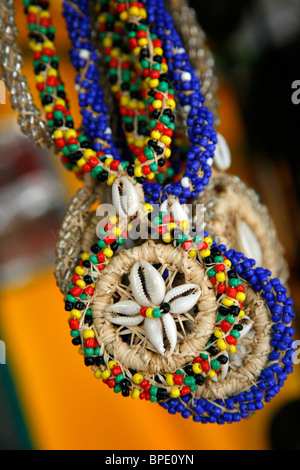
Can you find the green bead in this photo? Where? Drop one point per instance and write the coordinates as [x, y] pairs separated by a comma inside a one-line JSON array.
[[156, 221], [42, 29], [51, 123], [215, 365], [89, 311], [230, 319], [50, 89], [220, 317], [97, 351], [204, 357], [152, 123], [148, 152], [141, 27], [153, 390], [193, 387], [66, 150], [235, 282], [218, 259], [58, 114], [32, 26], [157, 66], [117, 388], [179, 372], [170, 172], [163, 86], [154, 167], [164, 119], [70, 287], [119, 378], [145, 64], [101, 243], [198, 239], [150, 100], [160, 178], [71, 298], [73, 147], [52, 30], [189, 380], [94, 259], [211, 272], [235, 333], [89, 351], [75, 333], [81, 138], [171, 126], [182, 238], [83, 296], [153, 399], [156, 313], [120, 241]]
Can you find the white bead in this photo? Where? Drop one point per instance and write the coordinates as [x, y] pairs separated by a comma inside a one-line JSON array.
[[210, 161], [186, 76], [84, 54], [222, 159], [186, 108], [185, 182]]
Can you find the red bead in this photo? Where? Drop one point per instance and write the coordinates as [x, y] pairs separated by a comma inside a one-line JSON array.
[[221, 288], [111, 383], [161, 230], [147, 396], [225, 326], [89, 290], [197, 360], [142, 158], [167, 219], [100, 267], [141, 34], [108, 226], [114, 165], [133, 43], [185, 390], [230, 339], [214, 280], [89, 343], [116, 370], [219, 267], [168, 132], [205, 366], [231, 292], [101, 257], [86, 168], [93, 161], [110, 238], [178, 379], [75, 278], [202, 246], [74, 324], [156, 43], [76, 291], [187, 245], [60, 143], [147, 387], [51, 81], [31, 18], [240, 288], [143, 383], [142, 396], [146, 170], [40, 86]]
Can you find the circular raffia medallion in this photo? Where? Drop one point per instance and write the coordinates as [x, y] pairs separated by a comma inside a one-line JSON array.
[[153, 278], [237, 219]]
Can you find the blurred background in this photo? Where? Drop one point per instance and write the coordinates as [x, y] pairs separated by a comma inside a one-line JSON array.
[[48, 399]]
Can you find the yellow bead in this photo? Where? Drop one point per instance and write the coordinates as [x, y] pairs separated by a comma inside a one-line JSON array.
[[227, 262], [174, 393], [79, 270], [208, 240], [70, 133], [85, 256], [80, 283], [170, 380], [110, 180], [154, 83], [227, 302], [221, 344], [164, 68], [193, 253], [88, 334], [167, 237], [81, 162], [137, 378], [75, 313], [49, 45], [88, 153], [113, 219], [138, 172], [107, 41], [117, 231], [39, 78], [218, 333], [52, 73], [232, 349], [167, 153], [184, 224], [58, 134], [80, 350], [197, 369], [212, 374], [171, 226], [150, 176], [143, 42], [33, 9], [108, 252], [158, 51], [241, 296], [149, 312], [143, 13], [106, 374], [135, 393], [166, 140], [157, 104], [48, 108], [45, 14], [124, 101], [155, 135], [170, 103], [111, 364], [134, 11], [139, 143], [241, 314], [129, 227], [108, 161], [147, 208], [98, 374], [62, 102], [137, 51], [115, 88], [205, 253], [221, 276]]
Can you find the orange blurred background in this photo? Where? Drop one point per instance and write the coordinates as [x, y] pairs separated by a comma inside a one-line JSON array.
[[61, 405]]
